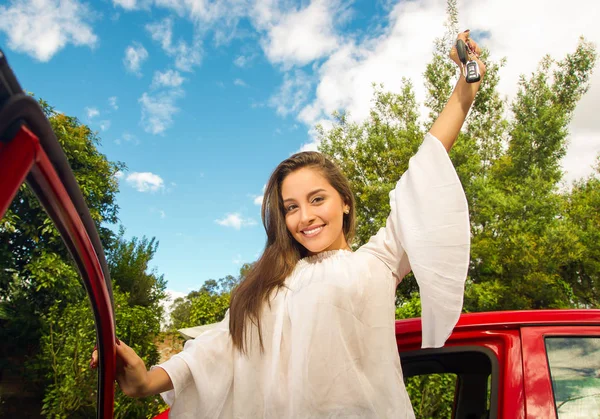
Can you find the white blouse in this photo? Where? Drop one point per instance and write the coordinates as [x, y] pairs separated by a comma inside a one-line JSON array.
[[329, 336]]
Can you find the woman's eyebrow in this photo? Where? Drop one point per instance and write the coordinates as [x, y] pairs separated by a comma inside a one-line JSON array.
[[307, 195]]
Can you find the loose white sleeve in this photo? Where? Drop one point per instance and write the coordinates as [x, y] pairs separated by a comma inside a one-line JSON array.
[[428, 231], [202, 374]]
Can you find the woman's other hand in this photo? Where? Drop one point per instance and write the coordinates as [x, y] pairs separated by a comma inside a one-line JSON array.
[[131, 373]]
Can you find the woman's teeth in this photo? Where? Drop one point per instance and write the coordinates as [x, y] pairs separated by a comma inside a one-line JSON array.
[[312, 232]]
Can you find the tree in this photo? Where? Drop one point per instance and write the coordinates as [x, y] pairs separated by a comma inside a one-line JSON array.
[[583, 220], [37, 271], [71, 386], [46, 324], [207, 305], [128, 263], [520, 238]]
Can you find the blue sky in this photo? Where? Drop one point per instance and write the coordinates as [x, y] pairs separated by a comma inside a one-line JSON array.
[[202, 99]]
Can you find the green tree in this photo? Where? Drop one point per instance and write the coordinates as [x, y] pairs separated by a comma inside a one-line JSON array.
[[582, 217], [521, 240], [46, 324], [128, 261], [37, 271], [65, 355], [207, 305]]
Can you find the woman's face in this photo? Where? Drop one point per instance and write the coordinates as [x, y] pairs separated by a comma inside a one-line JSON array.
[[314, 211]]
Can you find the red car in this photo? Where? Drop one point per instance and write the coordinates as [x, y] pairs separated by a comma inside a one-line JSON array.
[[514, 364], [534, 364]]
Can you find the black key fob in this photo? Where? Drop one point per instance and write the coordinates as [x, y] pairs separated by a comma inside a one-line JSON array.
[[472, 74], [471, 68]]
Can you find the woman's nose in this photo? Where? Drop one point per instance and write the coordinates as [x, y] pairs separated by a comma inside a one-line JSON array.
[[306, 215]]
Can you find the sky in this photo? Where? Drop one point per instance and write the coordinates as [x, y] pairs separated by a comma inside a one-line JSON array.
[[202, 99]]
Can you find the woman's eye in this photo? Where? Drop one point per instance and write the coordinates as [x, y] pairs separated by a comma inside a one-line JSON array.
[[317, 199], [291, 208]]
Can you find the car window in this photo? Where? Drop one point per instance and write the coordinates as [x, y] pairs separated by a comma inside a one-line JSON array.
[[432, 395], [575, 372], [456, 383]]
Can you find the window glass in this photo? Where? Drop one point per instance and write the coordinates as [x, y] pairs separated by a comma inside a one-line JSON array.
[[450, 383], [432, 395], [575, 372]]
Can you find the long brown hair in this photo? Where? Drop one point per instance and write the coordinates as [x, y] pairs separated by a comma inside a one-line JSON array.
[[282, 251]]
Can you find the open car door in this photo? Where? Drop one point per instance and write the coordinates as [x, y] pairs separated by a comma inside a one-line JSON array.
[[30, 152]]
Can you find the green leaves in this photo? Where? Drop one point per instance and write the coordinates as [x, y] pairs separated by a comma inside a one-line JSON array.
[[64, 356], [128, 261], [207, 305], [46, 323]]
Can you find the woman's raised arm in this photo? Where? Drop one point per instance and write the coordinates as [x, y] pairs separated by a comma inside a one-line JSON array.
[[449, 122]]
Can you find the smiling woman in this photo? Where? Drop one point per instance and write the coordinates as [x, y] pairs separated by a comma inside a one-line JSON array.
[[317, 202], [310, 330]]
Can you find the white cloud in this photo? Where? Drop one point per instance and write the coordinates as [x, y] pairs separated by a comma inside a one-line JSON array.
[[92, 112], [187, 56], [158, 110], [302, 36], [402, 46], [126, 4], [258, 199], [119, 174], [240, 82], [169, 78], [236, 221], [346, 77], [128, 138], [161, 32], [112, 101], [242, 61], [293, 93], [145, 181], [41, 28], [237, 260], [135, 55], [290, 35], [104, 125]]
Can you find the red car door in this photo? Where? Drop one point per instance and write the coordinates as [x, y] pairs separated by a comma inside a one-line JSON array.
[[562, 371], [30, 152]]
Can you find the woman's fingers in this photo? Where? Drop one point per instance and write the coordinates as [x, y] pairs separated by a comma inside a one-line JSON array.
[[95, 354], [94, 360], [473, 50], [464, 35]]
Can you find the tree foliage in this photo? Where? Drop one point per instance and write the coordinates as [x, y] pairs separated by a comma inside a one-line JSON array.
[[46, 324], [207, 305], [130, 270], [64, 358]]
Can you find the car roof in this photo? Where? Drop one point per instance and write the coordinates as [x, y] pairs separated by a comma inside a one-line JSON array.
[[511, 319]]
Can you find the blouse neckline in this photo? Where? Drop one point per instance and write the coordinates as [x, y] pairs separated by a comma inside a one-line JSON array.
[[319, 257]]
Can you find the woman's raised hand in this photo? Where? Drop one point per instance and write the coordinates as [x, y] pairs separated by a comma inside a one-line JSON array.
[[473, 50]]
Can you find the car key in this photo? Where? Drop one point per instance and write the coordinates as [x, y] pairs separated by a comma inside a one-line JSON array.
[[470, 67]]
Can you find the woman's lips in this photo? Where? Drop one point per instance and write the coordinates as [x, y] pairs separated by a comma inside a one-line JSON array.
[[312, 232]]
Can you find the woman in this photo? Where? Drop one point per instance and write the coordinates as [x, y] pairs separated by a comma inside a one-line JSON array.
[[310, 331]]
